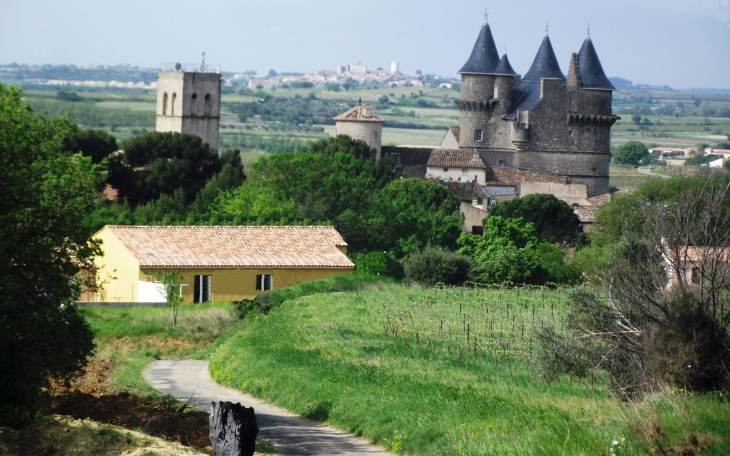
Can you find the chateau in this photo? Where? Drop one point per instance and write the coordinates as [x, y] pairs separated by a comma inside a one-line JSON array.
[[542, 127], [542, 121]]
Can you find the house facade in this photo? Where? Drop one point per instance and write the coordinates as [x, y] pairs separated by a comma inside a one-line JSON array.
[[216, 263]]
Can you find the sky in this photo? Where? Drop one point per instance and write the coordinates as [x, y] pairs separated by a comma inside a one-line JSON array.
[[680, 43]]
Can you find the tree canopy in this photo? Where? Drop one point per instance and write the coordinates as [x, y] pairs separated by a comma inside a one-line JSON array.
[[553, 220], [161, 163], [43, 246], [630, 153], [96, 144]]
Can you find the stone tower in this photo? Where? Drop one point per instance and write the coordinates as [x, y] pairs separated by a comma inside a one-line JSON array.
[[543, 121], [360, 123], [189, 101]]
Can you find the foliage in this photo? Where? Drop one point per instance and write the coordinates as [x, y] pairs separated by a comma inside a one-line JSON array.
[[553, 219], [161, 163], [433, 266], [171, 281], [294, 111], [630, 153], [96, 144], [43, 247], [406, 216], [510, 252], [331, 354], [661, 323], [377, 263]]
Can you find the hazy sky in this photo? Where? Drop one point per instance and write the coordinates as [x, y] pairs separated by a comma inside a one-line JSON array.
[[681, 43]]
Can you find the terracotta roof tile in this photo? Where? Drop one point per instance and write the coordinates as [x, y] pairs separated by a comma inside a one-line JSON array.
[[465, 191], [357, 114], [456, 158], [513, 176], [586, 214], [234, 246]]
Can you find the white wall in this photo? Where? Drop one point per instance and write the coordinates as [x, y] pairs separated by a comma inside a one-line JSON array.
[[150, 292], [457, 174]]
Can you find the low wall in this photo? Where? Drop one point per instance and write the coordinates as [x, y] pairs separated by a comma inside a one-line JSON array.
[[120, 304]]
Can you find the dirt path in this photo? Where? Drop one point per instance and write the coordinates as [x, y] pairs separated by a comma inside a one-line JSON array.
[[291, 434]]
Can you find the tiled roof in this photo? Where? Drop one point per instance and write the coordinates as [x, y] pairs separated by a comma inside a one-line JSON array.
[[357, 114], [234, 246], [513, 176], [586, 214], [698, 255], [456, 131], [456, 158], [600, 200], [465, 191]]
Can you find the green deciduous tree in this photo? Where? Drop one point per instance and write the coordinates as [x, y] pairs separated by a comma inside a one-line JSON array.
[[510, 252], [43, 246], [553, 219], [630, 153]]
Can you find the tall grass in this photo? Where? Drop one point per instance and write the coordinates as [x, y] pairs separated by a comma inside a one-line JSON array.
[[132, 338], [330, 357], [345, 282]]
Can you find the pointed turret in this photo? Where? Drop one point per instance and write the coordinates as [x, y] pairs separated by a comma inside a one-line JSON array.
[[504, 67], [484, 57], [545, 64], [592, 75]]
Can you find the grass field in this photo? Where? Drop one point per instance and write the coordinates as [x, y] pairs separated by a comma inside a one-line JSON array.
[[131, 338], [336, 358]]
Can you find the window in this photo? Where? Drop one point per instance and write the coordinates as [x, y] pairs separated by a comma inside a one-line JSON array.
[[463, 170], [195, 96], [207, 97], [593, 170], [206, 104], [446, 170], [172, 105], [477, 230], [201, 289], [477, 135], [501, 163], [164, 104], [695, 275], [476, 178], [264, 282], [496, 92]]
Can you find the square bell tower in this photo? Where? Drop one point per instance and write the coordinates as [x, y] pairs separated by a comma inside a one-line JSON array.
[[189, 100]]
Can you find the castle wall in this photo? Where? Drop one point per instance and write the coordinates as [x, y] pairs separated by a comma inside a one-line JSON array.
[[484, 112]]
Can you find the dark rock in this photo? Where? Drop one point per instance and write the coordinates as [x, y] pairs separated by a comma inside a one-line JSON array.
[[233, 429]]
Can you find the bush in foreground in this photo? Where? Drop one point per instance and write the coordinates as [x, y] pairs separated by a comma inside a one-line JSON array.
[[432, 266]]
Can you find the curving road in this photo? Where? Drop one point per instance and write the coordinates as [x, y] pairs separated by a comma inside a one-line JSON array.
[[189, 381], [647, 170]]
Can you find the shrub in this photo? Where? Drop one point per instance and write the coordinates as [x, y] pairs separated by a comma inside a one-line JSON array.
[[377, 263], [432, 266]]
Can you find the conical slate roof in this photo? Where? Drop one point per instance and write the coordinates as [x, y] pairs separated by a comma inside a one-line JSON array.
[[504, 67], [591, 71], [545, 64], [484, 57]]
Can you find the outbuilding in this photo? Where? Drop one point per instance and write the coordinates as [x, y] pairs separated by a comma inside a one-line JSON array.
[[216, 263]]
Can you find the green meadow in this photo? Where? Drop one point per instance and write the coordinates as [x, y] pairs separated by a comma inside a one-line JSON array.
[[460, 386]]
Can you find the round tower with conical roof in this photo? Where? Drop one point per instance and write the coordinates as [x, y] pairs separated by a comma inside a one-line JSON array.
[[486, 94]]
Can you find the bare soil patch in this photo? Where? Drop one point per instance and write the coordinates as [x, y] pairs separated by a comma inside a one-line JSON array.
[[90, 395]]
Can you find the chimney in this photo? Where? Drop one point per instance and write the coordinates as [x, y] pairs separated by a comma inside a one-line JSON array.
[[367, 111], [475, 157]]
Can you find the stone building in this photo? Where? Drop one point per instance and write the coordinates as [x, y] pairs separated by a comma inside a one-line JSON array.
[[189, 101], [360, 123], [543, 121]]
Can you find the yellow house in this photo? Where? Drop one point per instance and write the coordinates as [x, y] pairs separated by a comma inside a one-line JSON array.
[[217, 263]]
